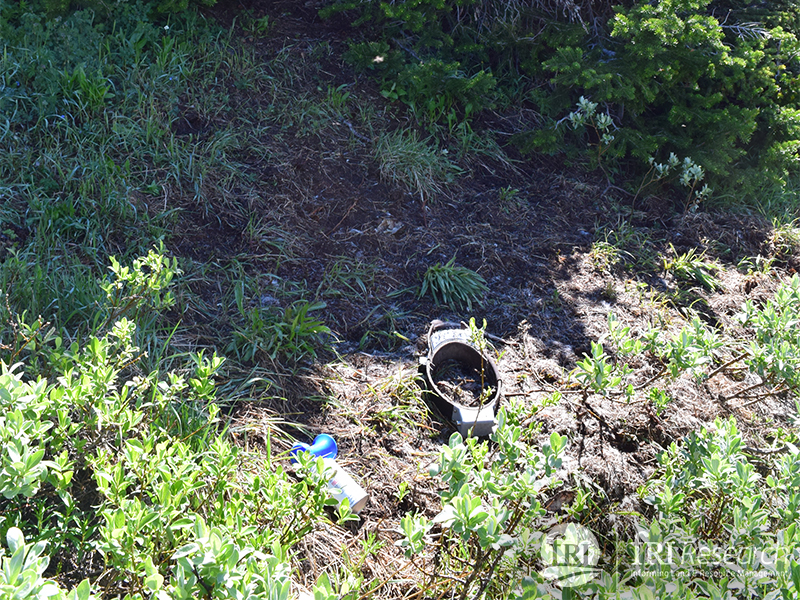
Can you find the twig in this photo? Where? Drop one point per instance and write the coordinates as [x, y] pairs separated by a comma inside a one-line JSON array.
[[387, 580], [611, 186], [407, 49], [476, 569], [515, 394], [492, 567], [335, 227], [360, 136], [116, 314], [497, 338], [783, 448], [726, 365], [651, 380], [742, 392], [758, 397], [28, 340], [641, 386], [623, 402], [435, 575], [207, 592]]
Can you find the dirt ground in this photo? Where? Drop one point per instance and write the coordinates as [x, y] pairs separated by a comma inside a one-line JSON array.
[[550, 292]]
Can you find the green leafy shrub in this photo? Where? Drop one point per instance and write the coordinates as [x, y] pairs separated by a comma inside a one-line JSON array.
[[178, 6], [491, 509], [59, 8], [435, 90], [425, 16], [129, 469], [435, 72], [145, 284], [597, 373], [723, 514], [22, 427], [672, 76], [214, 564], [21, 573], [682, 83], [720, 507], [600, 126], [767, 348], [774, 356]]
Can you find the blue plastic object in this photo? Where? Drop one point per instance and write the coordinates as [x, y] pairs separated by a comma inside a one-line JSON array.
[[324, 446]]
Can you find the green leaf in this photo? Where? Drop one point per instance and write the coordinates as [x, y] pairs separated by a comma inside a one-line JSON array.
[[557, 442], [82, 592], [186, 550], [14, 539], [154, 582], [446, 516]]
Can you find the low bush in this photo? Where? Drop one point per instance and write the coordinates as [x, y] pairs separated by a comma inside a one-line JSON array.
[[672, 77], [491, 511], [59, 8], [677, 79], [440, 71], [721, 507], [129, 473]]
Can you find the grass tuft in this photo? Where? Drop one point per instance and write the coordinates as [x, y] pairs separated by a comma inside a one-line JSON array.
[[453, 285], [413, 163]]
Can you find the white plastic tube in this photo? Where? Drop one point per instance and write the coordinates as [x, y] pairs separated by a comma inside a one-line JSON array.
[[342, 486]]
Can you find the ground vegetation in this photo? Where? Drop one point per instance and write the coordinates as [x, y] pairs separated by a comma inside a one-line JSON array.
[[227, 227]]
